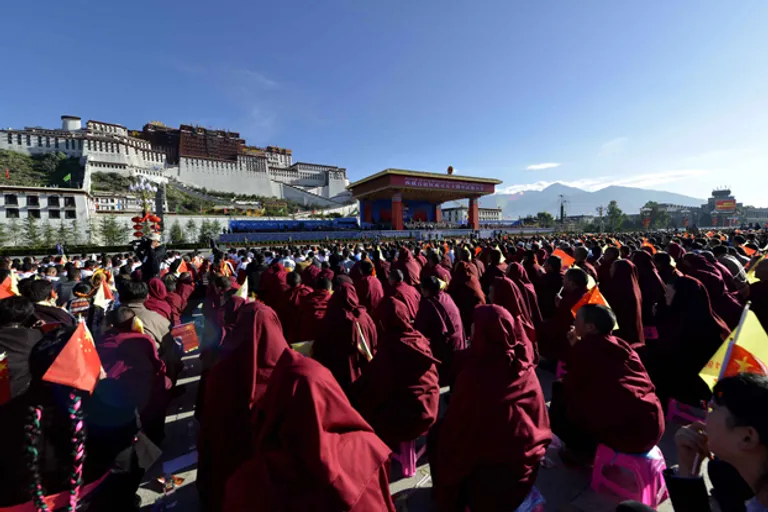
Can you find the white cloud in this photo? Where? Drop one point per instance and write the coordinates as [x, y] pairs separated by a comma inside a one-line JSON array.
[[541, 167], [613, 147], [647, 180]]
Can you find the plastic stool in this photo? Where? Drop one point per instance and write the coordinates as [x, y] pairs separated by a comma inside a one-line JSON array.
[[408, 457], [646, 470], [678, 410], [534, 502], [650, 332], [561, 370]]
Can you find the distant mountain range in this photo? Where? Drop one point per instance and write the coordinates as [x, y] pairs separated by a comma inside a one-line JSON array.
[[581, 202]]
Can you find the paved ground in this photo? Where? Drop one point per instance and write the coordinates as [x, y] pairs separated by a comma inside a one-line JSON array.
[[564, 489]]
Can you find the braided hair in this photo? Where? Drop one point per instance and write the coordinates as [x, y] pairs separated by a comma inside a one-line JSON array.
[[41, 358]]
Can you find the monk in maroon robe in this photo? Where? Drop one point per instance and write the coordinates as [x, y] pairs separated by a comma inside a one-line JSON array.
[[553, 336], [466, 292], [581, 254], [288, 308], [401, 290], [652, 287], [676, 251], [347, 336], [312, 451], [434, 268], [398, 392], [548, 286], [724, 303], [519, 276], [232, 388], [506, 294], [312, 308], [272, 284], [368, 287], [607, 396], [624, 298], [409, 266], [610, 255], [439, 321], [758, 293], [310, 274], [690, 333], [486, 451], [220, 310], [173, 299], [185, 288], [155, 301], [496, 269]]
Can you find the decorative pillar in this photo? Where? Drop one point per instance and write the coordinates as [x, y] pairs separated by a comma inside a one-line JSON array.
[[366, 207], [397, 211], [438, 214], [473, 218]]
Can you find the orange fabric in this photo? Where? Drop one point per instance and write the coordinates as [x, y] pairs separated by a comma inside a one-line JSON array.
[[750, 251], [183, 267], [78, 365], [568, 260], [6, 288]]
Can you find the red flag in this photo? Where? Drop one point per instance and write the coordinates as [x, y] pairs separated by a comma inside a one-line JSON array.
[[6, 288], [568, 260], [78, 365], [593, 296], [186, 336], [182, 267], [7, 173], [107, 290], [750, 251]]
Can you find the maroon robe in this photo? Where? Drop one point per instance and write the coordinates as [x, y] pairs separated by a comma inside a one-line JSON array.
[[587, 267], [177, 306], [272, 284], [507, 295], [310, 274], [313, 451], [519, 276], [491, 273], [338, 342], [440, 321], [409, 295], [547, 288], [624, 298], [232, 388], [676, 251], [553, 335], [437, 271], [288, 311], [622, 386], [409, 266], [758, 295], [398, 392], [724, 303], [312, 310], [369, 292], [485, 453], [652, 288], [185, 290], [604, 273], [155, 301], [466, 292]]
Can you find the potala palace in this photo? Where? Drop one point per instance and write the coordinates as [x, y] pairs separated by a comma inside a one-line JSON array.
[[217, 160]]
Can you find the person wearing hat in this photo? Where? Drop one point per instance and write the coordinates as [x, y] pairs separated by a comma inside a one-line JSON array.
[[151, 253]]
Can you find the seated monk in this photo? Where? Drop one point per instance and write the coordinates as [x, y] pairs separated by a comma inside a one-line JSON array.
[[466, 292], [581, 254], [403, 291], [506, 294], [496, 269], [625, 299], [347, 335], [288, 309], [434, 267], [548, 286], [758, 293], [173, 298], [440, 321], [230, 391], [485, 453], [553, 338], [312, 308], [368, 287], [607, 396], [398, 392], [312, 450]]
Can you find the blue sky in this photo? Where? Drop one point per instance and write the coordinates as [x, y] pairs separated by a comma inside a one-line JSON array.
[[664, 95]]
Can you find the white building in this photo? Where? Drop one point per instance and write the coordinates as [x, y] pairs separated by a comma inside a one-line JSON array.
[[116, 202], [46, 204], [460, 214]]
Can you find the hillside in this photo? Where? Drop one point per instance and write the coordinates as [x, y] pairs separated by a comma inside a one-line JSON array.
[[40, 170], [581, 202]]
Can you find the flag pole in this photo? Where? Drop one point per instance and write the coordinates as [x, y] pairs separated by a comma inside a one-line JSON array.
[[733, 341]]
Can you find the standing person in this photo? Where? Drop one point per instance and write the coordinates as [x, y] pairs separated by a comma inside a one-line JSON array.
[[401, 290], [620, 384], [485, 453], [348, 338], [151, 253], [624, 297], [312, 450], [64, 287], [232, 388], [466, 292], [288, 309], [368, 287], [312, 309], [398, 393], [439, 321], [689, 335]]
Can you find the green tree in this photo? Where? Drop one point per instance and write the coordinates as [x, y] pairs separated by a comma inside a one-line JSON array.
[[659, 217], [190, 231], [3, 235], [63, 234], [615, 216], [205, 228], [48, 235], [92, 232], [14, 232], [177, 234], [31, 233], [111, 232], [545, 219], [216, 229], [75, 236]]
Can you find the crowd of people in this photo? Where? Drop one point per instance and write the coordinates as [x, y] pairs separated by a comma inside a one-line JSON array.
[[382, 328]]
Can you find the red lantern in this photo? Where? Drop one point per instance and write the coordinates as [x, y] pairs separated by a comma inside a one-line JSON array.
[[156, 227], [138, 234], [136, 219], [153, 218], [138, 227]]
